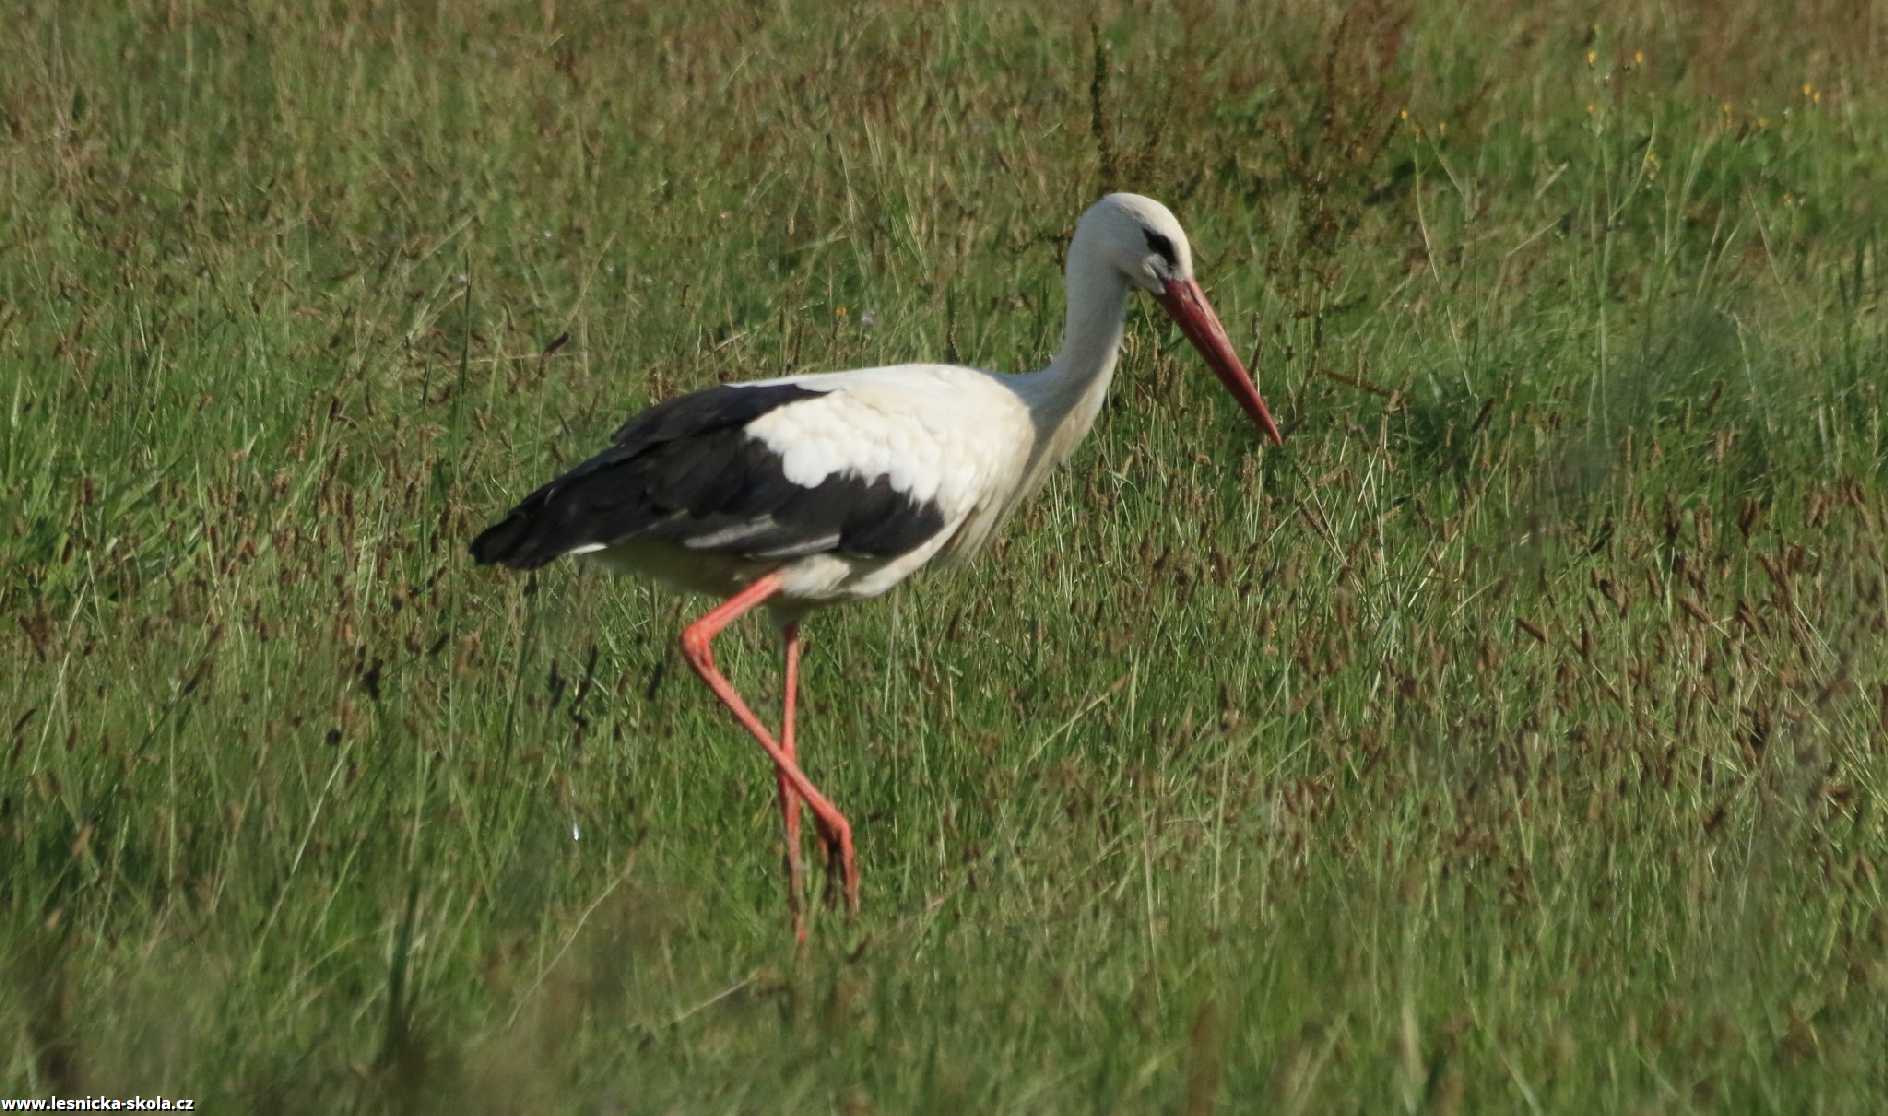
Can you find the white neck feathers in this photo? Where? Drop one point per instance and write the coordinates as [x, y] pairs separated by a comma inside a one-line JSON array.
[[1065, 397]]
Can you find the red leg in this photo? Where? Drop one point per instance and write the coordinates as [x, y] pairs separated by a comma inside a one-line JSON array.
[[696, 640], [789, 798], [836, 849]]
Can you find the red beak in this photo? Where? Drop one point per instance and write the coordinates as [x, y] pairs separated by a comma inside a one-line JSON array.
[[1190, 310]]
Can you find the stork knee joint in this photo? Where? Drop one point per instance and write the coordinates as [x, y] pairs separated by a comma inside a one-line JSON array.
[[695, 645]]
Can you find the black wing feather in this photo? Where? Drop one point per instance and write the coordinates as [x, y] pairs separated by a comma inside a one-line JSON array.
[[686, 471]]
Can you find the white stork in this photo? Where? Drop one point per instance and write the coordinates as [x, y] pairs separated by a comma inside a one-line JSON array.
[[804, 491]]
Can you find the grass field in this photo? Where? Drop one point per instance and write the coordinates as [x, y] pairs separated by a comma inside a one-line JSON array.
[[1514, 739]]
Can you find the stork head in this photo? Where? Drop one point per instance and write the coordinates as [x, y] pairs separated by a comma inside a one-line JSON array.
[[1140, 238]]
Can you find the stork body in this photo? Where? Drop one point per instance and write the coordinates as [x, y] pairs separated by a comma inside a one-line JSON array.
[[808, 490]]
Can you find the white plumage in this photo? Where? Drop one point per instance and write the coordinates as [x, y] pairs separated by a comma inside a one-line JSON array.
[[955, 439]]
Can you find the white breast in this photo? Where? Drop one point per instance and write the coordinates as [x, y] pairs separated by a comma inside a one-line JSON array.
[[955, 438]]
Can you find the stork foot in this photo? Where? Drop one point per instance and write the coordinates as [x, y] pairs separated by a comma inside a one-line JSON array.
[[842, 869]]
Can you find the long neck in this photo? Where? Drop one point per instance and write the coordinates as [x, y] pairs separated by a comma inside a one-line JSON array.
[[1065, 397]]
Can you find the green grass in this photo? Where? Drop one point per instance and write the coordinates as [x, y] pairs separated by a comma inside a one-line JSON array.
[[1515, 738]]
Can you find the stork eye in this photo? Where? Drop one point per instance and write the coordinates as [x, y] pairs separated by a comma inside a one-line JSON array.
[[1160, 245]]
